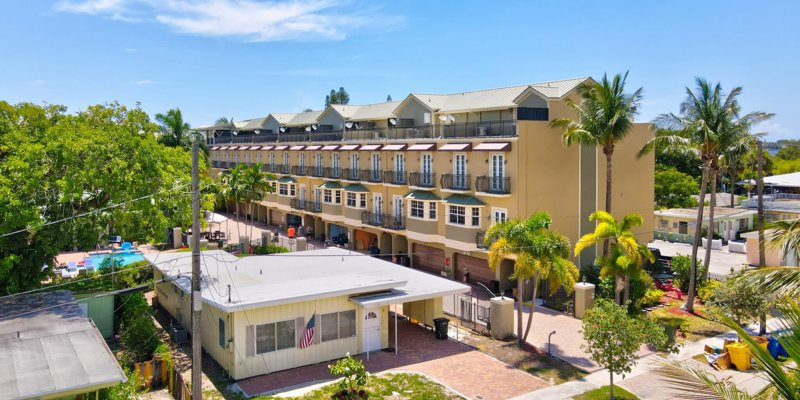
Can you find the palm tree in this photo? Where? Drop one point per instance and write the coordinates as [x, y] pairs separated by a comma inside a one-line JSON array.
[[710, 126], [223, 121], [540, 253], [256, 183], [605, 118], [626, 256], [174, 131], [233, 189]]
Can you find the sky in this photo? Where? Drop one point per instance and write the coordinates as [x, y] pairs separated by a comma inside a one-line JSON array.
[[247, 58]]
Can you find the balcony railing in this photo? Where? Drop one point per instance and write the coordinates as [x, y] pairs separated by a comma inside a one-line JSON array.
[[283, 169], [395, 177], [371, 218], [299, 170], [316, 171], [387, 221], [395, 222], [493, 184], [477, 129], [372, 175], [456, 182], [422, 179], [298, 204], [350, 174], [269, 168], [332, 173], [313, 206]]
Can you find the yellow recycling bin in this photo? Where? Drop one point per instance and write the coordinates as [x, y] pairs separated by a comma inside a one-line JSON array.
[[762, 341], [740, 355]]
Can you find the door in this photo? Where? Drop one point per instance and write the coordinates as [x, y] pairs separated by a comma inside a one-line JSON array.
[[371, 330], [478, 269], [498, 166], [398, 207], [376, 167], [316, 196], [399, 168], [302, 195], [428, 259], [427, 169], [460, 170], [377, 206]]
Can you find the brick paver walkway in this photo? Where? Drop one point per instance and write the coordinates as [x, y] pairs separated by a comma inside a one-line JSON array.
[[458, 366]]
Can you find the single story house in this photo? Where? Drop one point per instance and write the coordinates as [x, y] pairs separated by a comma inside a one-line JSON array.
[[50, 350], [777, 207], [678, 224], [257, 311], [773, 254]]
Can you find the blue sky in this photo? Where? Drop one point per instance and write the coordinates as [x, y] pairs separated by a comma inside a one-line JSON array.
[[247, 58]]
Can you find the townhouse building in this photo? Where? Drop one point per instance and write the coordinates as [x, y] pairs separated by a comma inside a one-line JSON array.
[[425, 177]]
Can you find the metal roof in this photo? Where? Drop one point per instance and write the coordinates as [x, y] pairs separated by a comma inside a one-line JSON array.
[[252, 124], [304, 118], [422, 195], [52, 351], [464, 200], [282, 118], [783, 180], [355, 187]]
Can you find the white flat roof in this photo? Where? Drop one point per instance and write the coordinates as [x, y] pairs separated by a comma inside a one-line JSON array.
[[260, 281]]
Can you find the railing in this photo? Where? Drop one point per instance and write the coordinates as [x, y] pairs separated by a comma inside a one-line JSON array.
[[456, 182], [330, 172], [371, 218], [395, 177], [371, 175], [480, 237], [395, 222], [477, 129], [269, 168], [313, 206], [387, 221], [298, 204], [283, 169], [493, 184], [315, 171], [350, 174], [299, 170], [422, 179]]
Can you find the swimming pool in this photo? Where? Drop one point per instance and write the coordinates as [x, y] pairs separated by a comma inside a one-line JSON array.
[[120, 258]]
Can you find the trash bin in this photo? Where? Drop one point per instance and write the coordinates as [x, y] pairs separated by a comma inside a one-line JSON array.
[[740, 355], [776, 349], [762, 342], [440, 326]]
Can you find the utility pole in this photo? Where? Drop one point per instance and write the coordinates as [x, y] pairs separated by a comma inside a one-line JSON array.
[[197, 299], [762, 326]]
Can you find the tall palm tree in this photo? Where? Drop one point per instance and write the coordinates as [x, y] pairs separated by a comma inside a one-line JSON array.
[[256, 184], [174, 131], [233, 189], [626, 255], [224, 121], [604, 118], [540, 253], [709, 125]]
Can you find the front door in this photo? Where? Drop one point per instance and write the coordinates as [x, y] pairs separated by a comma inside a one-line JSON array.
[[371, 330], [377, 206]]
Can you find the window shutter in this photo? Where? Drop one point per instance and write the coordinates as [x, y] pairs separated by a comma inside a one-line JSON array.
[[299, 329], [250, 341], [317, 330]]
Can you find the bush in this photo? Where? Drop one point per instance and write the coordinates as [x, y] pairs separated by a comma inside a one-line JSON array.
[[138, 333], [642, 292], [590, 273], [354, 377], [681, 267], [705, 291], [270, 248], [122, 391], [651, 297], [738, 301]]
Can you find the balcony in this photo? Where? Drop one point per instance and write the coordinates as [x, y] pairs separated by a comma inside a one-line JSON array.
[[331, 173], [283, 169], [350, 174], [371, 175], [298, 204], [456, 182], [395, 222], [383, 220], [477, 129], [299, 170], [371, 218], [316, 171], [422, 179], [269, 168], [313, 206], [493, 184], [395, 177]]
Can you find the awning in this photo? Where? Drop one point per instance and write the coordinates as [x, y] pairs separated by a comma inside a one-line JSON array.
[[287, 179], [421, 147], [267, 147], [463, 200], [331, 185], [330, 147], [244, 147], [505, 146], [393, 147], [233, 147], [349, 147], [370, 147], [281, 147], [214, 148], [298, 147], [422, 195], [356, 188], [313, 147], [455, 147], [255, 147]]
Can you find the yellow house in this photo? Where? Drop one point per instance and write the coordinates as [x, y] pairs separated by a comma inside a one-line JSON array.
[[256, 310], [679, 224]]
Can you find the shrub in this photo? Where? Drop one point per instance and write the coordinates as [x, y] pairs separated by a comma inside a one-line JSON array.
[[681, 267], [270, 248], [590, 273], [651, 297], [705, 291], [138, 333], [123, 391], [642, 292], [354, 377], [738, 301]]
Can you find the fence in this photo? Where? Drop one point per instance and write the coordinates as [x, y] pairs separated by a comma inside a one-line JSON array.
[[472, 312], [157, 373], [559, 301]]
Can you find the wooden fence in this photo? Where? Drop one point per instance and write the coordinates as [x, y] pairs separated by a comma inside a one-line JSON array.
[[157, 373]]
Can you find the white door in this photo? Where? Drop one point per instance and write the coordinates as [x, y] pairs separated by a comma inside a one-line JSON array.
[[377, 206], [460, 170], [398, 207], [302, 195], [498, 165], [371, 330], [427, 169], [316, 195]]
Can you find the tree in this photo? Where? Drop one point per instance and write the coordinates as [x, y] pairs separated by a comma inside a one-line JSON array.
[[674, 188], [681, 267], [233, 189], [337, 97], [541, 254], [626, 256], [224, 121], [354, 377], [685, 162], [789, 153], [613, 337], [388, 98], [739, 301], [709, 125], [255, 184], [138, 332], [174, 131], [604, 118]]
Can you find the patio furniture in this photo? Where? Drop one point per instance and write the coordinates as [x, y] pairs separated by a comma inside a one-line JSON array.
[[126, 246], [89, 265]]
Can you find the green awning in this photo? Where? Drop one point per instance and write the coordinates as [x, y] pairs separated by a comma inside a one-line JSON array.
[[356, 188], [422, 195], [464, 200], [331, 185], [287, 179]]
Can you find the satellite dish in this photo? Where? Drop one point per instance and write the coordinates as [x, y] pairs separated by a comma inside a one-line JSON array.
[[348, 125], [283, 129], [308, 129], [314, 127], [235, 133], [256, 131], [393, 121], [443, 118], [358, 126], [450, 118]]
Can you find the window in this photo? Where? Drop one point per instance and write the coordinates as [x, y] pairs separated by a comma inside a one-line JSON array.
[[265, 338], [330, 327], [285, 335], [351, 199], [285, 160], [274, 336], [499, 215], [476, 216], [683, 227], [283, 189], [222, 333], [417, 209], [743, 224], [400, 163], [338, 197], [335, 161], [291, 191], [432, 210], [347, 324], [302, 161], [362, 200], [664, 223], [327, 196], [272, 161], [354, 161], [458, 215]]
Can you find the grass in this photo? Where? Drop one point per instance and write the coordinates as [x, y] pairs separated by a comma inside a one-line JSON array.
[[602, 393], [393, 386], [684, 327], [188, 249]]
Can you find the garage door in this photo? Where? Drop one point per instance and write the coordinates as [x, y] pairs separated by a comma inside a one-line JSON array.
[[478, 270], [428, 259], [276, 218]]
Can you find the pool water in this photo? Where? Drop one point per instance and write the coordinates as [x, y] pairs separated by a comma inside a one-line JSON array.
[[120, 258]]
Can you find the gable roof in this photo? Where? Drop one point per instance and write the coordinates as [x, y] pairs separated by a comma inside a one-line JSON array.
[[364, 112], [255, 123], [282, 118], [304, 118]]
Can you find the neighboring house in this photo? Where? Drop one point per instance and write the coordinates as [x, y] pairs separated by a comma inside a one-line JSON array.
[[723, 199], [50, 350], [777, 207], [774, 255], [256, 309], [678, 224], [428, 175]]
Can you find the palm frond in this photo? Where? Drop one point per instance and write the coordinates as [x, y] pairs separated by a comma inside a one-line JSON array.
[[696, 384]]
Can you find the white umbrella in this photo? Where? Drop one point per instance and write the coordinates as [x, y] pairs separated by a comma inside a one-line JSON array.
[[214, 218]]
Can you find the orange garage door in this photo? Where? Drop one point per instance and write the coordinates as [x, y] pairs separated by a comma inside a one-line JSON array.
[[428, 259], [478, 269]]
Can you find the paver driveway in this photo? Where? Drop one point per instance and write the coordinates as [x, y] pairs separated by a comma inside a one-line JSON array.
[[458, 366]]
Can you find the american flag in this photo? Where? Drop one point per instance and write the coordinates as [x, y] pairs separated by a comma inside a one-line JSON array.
[[308, 334]]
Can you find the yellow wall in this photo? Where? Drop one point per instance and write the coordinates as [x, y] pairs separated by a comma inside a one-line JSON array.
[[424, 311]]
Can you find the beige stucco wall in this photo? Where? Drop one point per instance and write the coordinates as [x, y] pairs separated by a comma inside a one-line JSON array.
[[424, 310]]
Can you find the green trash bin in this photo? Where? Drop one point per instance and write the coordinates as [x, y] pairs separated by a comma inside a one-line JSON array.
[[440, 327]]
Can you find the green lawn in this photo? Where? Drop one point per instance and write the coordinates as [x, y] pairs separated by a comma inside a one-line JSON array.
[[683, 327], [602, 394], [407, 386]]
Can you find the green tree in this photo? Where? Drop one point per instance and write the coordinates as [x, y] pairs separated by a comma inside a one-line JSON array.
[[354, 377], [681, 267], [233, 189], [224, 121], [686, 162], [789, 153], [604, 118], [541, 254], [255, 184], [739, 301], [173, 130], [613, 337], [626, 256], [388, 98], [710, 124], [337, 97], [138, 336], [674, 188]]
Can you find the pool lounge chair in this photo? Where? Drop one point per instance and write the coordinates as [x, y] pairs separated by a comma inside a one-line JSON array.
[[126, 246], [71, 271], [89, 265]]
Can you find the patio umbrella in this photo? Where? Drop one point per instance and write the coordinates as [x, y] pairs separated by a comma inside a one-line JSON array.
[[214, 218]]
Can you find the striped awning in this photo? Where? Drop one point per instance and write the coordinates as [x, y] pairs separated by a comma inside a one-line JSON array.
[[255, 147], [298, 147], [370, 147], [330, 147], [394, 147], [455, 147], [223, 148], [233, 147], [244, 147], [349, 147], [267, 147], [503, 146], [214, 148], [281, 147], [421, 147], [313, 147]]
